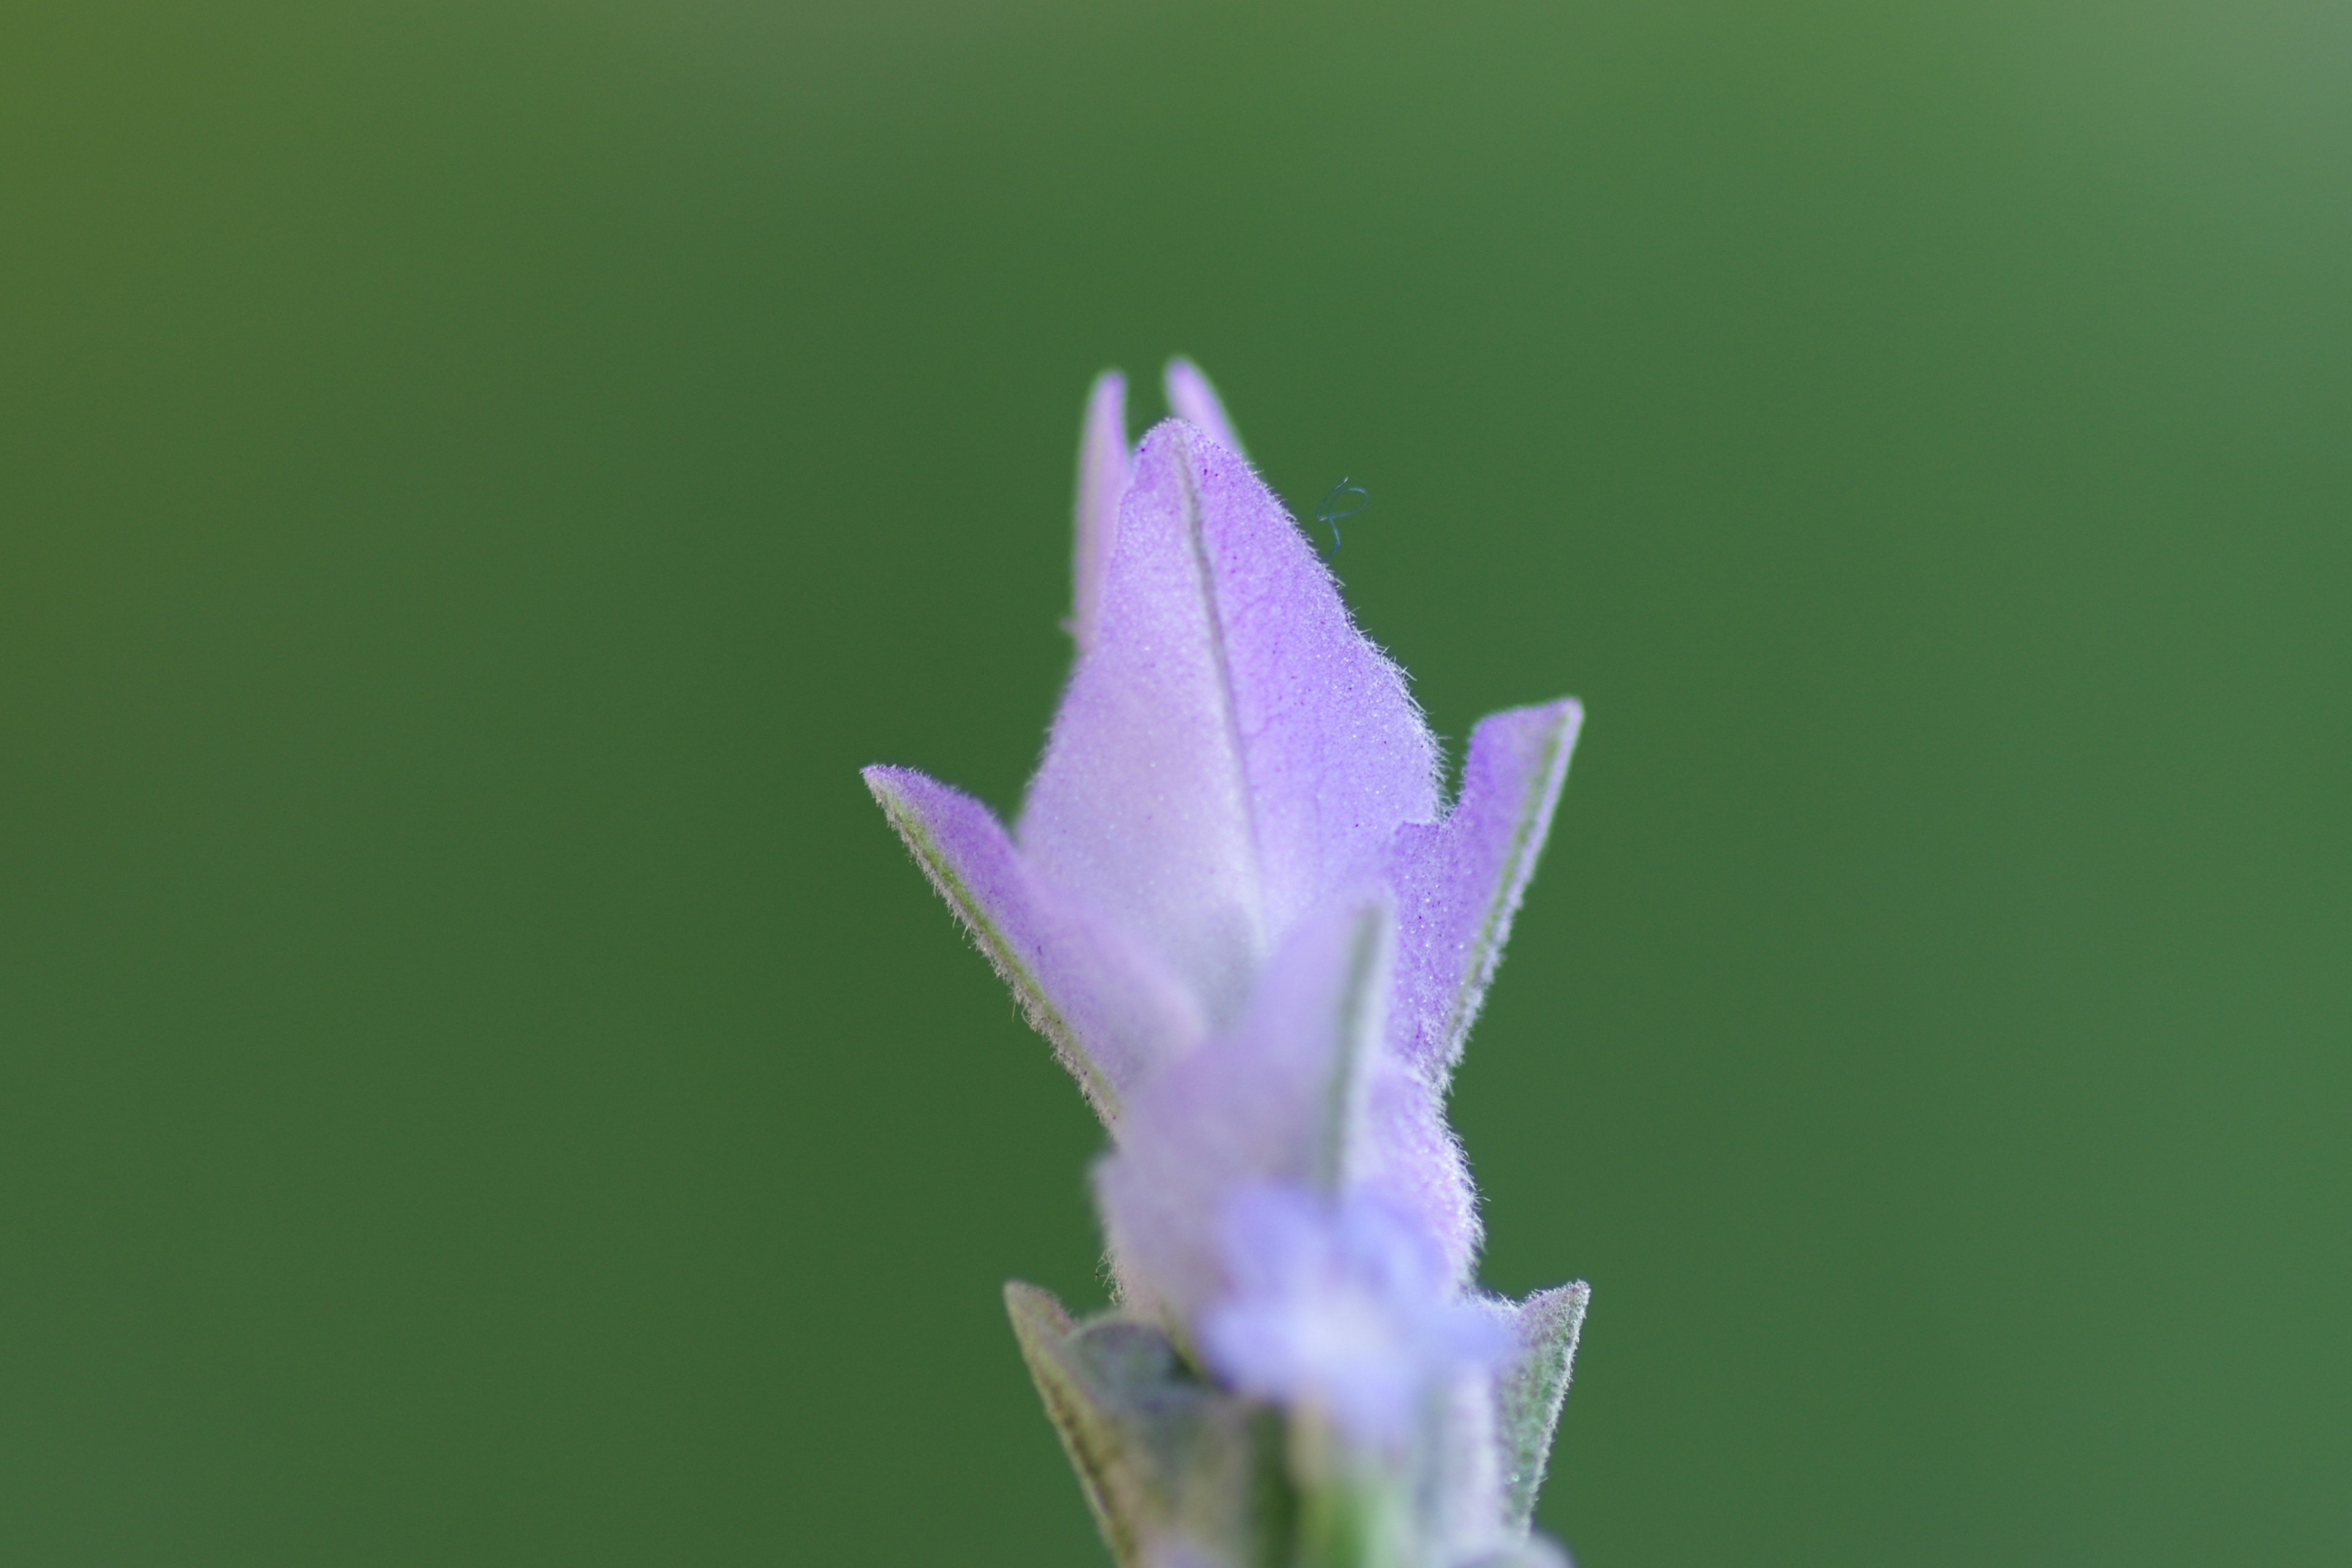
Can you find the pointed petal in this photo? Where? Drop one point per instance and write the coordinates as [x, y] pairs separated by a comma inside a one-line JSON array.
[[1280, 1099], [1102, 479], [1192, 399], [1459, 881], [1530, 1389], [1108, 1009], [1233, 751]]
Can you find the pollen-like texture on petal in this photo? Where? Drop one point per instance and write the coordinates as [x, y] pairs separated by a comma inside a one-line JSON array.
[[1459, 881], [1111, 1012], [1192, 399], [1102, 478], [1232, 750]]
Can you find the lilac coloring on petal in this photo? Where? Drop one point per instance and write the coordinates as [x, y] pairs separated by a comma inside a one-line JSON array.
[[1233, 751], [1459, 881], [1111, 1013], [1278, 1098], [1341, 1304], [1413, 1158], [1192, 399], [1102, 479]]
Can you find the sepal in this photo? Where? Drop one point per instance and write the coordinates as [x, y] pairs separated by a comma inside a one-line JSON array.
[[1530, 1389], [1176, 1469]]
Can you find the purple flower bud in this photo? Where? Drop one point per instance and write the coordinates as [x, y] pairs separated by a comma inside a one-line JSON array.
[[1237, 905]]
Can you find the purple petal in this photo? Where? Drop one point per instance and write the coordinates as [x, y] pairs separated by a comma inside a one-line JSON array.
[[1281, 1098], [1459, 881], [1341, 1304], [1231, 752], [1102, 479], [1192, 399], [1111, 1013], [1412, 1156]]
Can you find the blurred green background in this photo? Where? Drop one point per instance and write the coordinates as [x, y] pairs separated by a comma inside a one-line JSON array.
[[480, 1084]]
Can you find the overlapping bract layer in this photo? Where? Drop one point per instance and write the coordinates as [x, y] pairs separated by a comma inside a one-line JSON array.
[[1235, 903]]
